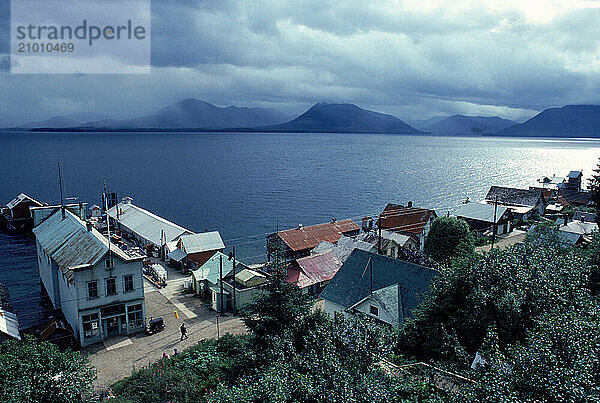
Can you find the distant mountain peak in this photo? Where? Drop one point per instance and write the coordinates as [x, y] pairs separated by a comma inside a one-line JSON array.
[[343, 118], [566, 121]]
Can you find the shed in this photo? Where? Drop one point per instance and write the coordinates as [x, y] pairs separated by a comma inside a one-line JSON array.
[[483, 217]]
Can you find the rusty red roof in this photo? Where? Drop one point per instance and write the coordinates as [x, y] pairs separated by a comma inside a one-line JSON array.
[[309, 237], [314, 269], [396, 217]]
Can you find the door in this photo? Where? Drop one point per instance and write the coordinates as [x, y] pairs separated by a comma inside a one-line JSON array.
[[112, 326]]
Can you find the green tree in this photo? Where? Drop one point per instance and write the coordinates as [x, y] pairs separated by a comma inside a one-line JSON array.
[[448, 238], [279, 308], [39, 372], [504, 290], [594, 188], [557, 362]]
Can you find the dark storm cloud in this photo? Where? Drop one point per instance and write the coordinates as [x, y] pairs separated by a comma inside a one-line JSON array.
[[413, 59]]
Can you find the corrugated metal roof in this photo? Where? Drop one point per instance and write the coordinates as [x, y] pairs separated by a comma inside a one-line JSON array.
[[205, 241], [480, 212], [247, 274], [317, 268], [396, 217], [20, 198], [210, 270], [177, 255], [372, 239], [9, 324], [578, 227], [514, 196], [70, 244], [344, 247], [146, 224], [309, 237]]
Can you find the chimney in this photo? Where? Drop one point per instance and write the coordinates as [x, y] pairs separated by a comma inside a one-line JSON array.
[[410, 204], [89, 225], [566, 219]]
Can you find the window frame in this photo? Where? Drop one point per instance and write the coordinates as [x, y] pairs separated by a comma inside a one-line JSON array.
[[125, 278], [114, 284], [95, 283], [373, 310]]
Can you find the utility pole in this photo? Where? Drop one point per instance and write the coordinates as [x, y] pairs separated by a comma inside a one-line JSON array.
[[221, 276], [379, 237], [62, 203], [371, 269], [234, 273], [494, 223]]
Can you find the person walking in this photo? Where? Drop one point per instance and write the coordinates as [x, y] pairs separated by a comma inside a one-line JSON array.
[[183, 332]]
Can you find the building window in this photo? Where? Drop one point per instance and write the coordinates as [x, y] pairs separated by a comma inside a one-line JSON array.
[[92, 289], [109, 263], [128, 283], [134, 316], [111, 286], [90, 325], [374, 310]]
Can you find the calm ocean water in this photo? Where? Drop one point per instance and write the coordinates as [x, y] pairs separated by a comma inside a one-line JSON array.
[[245, 185]]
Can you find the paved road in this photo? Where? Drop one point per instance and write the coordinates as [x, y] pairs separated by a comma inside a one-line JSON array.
[[117, 357]]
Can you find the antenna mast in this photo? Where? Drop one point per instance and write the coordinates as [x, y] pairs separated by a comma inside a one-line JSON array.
[[107, 221]]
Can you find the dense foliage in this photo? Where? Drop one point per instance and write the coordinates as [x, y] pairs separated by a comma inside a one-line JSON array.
[[448, 238], [39, 372], [527, 310], [594, 188]]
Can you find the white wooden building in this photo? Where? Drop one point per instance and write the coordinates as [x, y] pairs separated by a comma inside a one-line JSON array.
[[99, 291]]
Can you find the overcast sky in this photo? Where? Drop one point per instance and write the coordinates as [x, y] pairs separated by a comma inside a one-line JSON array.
[[413, 59]]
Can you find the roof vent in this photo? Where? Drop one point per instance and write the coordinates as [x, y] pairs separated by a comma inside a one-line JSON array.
[[127, 200], [333, 220], [410, 204], [89, 225], [299, 226]]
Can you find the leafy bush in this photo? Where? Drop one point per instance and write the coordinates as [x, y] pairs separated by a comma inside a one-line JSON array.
[[39, 372]]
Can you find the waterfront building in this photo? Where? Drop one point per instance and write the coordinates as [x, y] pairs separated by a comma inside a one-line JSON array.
[[97, 286], [298, 242], [198, 248], [524, 203], [407, 220], [484, 218], [144, 227], [16, 215]]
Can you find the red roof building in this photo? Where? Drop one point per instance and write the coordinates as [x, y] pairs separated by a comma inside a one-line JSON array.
[[407, 220], [312, 273], [298, 242]]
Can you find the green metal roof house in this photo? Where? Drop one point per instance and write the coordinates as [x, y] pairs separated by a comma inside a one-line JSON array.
[[384, 288]]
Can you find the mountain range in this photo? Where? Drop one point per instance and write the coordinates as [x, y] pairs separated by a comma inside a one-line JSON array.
[[568, 121], [460, 124], [197, 115], [193, 113]]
